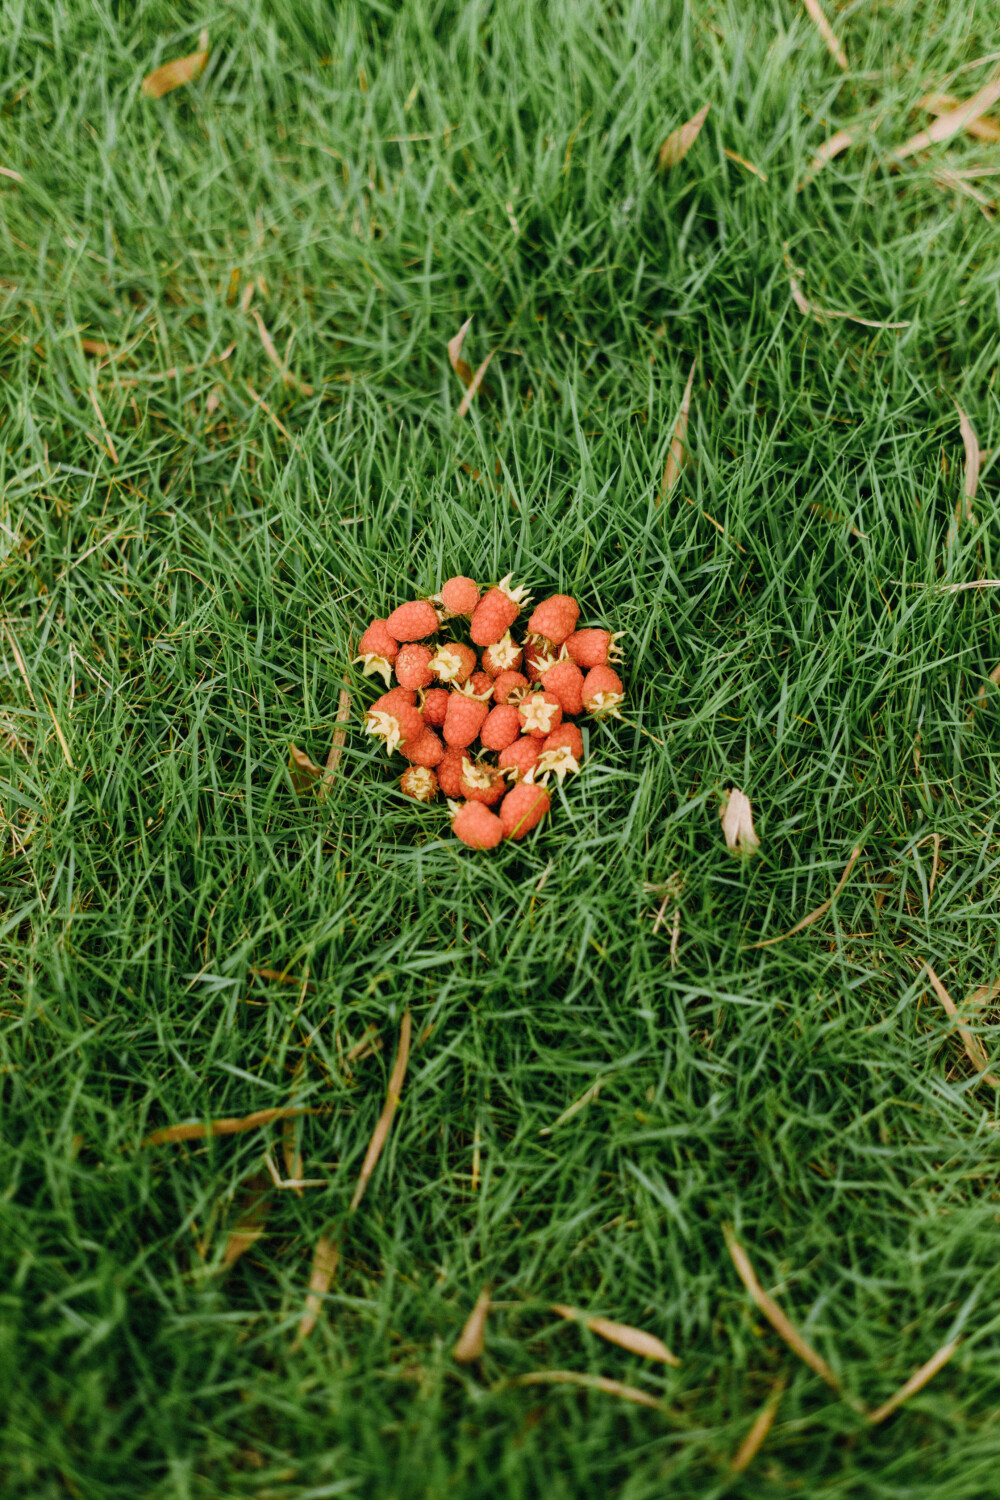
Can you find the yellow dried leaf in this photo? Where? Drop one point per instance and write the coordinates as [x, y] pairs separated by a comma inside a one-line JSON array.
[[474, 385], [304, 772], [461, 368], [825, 30], [679, 142], [752, 1443], [249, 1220], [972, 458], [741, 161], [174, 74], [635, 1340], [472, 1339], [956, 120], [678, 443], [199, 1130], [737, 823], [381, 1132], [592, 1382], [324, 1268]]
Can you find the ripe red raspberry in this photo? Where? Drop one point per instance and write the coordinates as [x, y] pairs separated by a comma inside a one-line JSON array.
[[523, 809], [593, 648], [539, 714], [567, 737], [459, 596], [413, 666], [449, 772], [505, 656], [396, 722], [539, 656], [603, 691], [501, 727], [565, 681], [413, 621], [555, 618], [434, 706], [476, 826], [398, 695], [520, 758], [464, 718], [425, 750], [420, 783], [495, 613], [509, 687], [377, 649], [481, 782], [562, 752], [453, 662]]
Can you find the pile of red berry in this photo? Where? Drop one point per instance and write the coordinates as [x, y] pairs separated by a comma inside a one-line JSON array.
[[516, 701]]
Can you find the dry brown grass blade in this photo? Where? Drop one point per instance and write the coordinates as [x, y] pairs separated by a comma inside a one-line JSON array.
[[736, 813], [954, 182], [811, 310], [291, 1154], [472, 1339], [679, 142], [458, 364], [381, 1132], [972, 459], [635, 1340], [9, 172], [774, 1315], [304, 772], [20, 664], [956, 120], [592, 1382], [820, 911], [836, 519], [339, 741], [833, 146], [286, 374], [269, 413], [174, 74], [200, 1130], [175, 370], [985, 994], [915, 1383], [754, 1440], [678, 443], [104, 426], [974, 1049], [741, 161], [941, 104], [826, 31], [474, 385], [282, 976], [324, 1268], [249, 1221]]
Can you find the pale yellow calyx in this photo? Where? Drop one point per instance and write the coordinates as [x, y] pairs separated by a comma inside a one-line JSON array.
[[605, 705], [468, 691], [478, 774], [539, 715], [421, 783], [454, 807], [446, 663], [505, 653], [560, 762], [519, 596], [614, 650], [375, 665], [518, 693], [386, 726]]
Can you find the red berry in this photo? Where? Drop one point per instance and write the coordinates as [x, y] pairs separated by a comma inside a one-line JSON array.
[[377, 650], [420, 783], [464, 719], [459, 596], [495, 613], [562, 752], [568, 737], [565, 681], [481, 782], [539, 714], [425, 750], [395, 722], [476, 826], [434, 706], [508, 686], [453, 662], [520, 757], [602, 691], [591, 648], [413, 621], [449, 772], [501, 727], [505, 656], [523, 809], [481, 684], [555, 618], [538, 657], [413, 666]]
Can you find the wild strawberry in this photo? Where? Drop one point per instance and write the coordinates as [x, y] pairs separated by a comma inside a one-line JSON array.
[[520, 757], [434, 706], [509, 687], [459, 596], [555, 618], [449, 772], [420, 783], [496, 612], [396, 722], [523, 809], [476, 826], [464, 718], [481, 684], [593, 647], [453, 662], [505, 656], [566, 737], [413, 621], [425, 750], [539, 714], [481, 782], [377, 649], [501, 727], [539, 656], [603, 691], [413, 665], [565, 682]]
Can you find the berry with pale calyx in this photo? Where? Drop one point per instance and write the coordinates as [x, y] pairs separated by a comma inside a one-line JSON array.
[[453, 662], [559, 763], [465, 717], [413, 621], [539, 714], [434, 706], [555, 618], [394, 721], [459, 596], [510, 687], [420, 783], [565, 682], [496, 612], [425, 750], [481, 684], [413, 665], [566, 737], [603, 692], [449, 772], [523, 809], [593, 647], [475, 825], [539, 656], [520, 758], [504, 656], [500, 728], [481, 782], [377, 650]]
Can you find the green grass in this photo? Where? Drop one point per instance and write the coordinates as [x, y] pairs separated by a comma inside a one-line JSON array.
[[187, 611]]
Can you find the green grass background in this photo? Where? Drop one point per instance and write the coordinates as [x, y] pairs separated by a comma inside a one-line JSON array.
[[388, 170]]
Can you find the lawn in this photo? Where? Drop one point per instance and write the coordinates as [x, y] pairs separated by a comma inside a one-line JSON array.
[[230, 436]]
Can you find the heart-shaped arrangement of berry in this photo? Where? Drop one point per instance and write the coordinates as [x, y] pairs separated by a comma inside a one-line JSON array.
[[453, 709]]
